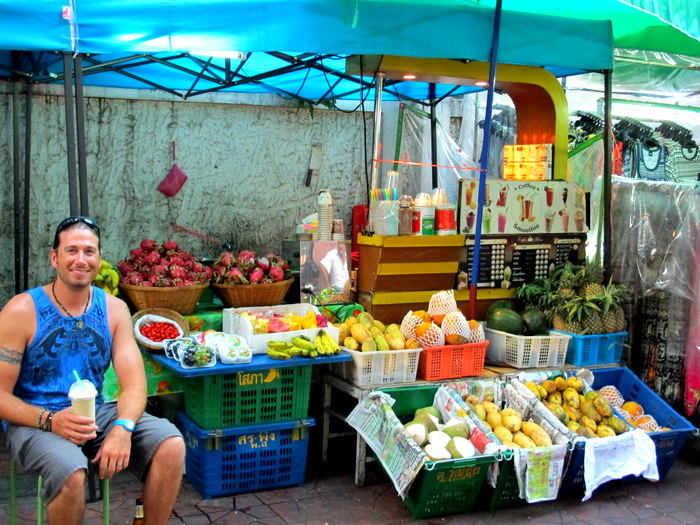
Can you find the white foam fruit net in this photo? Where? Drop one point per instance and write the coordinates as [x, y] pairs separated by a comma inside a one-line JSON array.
[[433, 336], [409, 323], [646, 422], [456, 323], [442, 303], [612, 395]]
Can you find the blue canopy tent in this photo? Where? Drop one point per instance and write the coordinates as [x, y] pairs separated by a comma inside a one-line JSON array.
[[297, 48]]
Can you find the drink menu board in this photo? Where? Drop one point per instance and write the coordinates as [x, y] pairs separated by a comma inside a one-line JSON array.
[[523, 207], [512, 260]]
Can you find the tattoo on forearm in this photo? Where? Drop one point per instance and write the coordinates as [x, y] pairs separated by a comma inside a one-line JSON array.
[[7, 355]]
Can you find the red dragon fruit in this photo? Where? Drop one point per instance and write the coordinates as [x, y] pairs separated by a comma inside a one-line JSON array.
[[164, 265], [149, 245], [256, 276], [277, 274], [170, 246]]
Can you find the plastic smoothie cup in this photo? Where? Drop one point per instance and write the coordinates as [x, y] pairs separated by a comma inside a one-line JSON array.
[[82, 395]]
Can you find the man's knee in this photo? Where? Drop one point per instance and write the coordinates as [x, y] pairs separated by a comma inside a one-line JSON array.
[[170, 452]]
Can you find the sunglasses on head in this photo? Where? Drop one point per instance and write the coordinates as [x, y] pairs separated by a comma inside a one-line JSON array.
[[70, 221]]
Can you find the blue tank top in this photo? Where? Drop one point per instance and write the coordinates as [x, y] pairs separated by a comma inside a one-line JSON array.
[[59, 347]]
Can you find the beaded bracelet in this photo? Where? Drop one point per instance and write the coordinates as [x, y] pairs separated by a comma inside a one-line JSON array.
[[38, 419]]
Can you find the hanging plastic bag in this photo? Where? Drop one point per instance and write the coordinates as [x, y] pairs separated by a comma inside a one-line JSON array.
[[173, 181]]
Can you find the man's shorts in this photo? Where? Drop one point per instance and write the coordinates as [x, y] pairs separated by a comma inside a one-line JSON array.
[[56, 458]]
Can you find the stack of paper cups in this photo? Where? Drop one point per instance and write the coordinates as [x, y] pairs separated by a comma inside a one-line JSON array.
[[325, 215]]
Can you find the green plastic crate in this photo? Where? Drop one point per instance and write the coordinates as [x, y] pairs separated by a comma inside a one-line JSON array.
[[248, 398], [506, 493], [441, 487]]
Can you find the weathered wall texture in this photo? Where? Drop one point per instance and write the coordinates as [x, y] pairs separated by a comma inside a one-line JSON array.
[[246, 166]]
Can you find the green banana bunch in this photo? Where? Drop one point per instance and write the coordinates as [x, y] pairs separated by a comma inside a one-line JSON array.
[[303, 341], [107, 278]]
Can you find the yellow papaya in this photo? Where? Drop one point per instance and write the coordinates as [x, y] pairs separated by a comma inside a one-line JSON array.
[[537, 434], [368, 345], [604, 431], [351, 343], [602, 406], [575, 383], [549, 386], [587, 422], [617, 424], [560, 383]]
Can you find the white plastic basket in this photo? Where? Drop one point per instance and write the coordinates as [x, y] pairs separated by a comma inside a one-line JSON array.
[[527, 351], [379, 368]]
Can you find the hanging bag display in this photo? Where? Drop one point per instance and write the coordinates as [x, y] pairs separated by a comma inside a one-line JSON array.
[[651, 162]]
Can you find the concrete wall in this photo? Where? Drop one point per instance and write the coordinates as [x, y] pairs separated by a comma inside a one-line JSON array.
[[246, 165]]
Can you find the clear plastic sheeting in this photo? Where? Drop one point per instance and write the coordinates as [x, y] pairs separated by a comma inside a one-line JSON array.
[[655, 252], [654, 71]]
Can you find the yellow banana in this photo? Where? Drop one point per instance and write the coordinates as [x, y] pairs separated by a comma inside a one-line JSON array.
[[303, 343], [332, 343], [320, 345], [279, 345], [274, 354]]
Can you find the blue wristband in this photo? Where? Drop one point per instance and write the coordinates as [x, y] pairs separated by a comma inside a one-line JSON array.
[[126, 423]]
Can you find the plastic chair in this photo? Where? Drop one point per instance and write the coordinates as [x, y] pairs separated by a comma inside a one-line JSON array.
[[104, 494]]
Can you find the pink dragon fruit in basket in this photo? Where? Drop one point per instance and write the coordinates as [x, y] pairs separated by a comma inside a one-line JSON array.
[[247, 268]]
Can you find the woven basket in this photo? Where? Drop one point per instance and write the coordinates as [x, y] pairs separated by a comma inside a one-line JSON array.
[[267, 294], [162, 312], [182, 299]]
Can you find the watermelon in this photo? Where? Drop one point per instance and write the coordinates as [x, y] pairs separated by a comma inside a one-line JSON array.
[[501, 303], [505, 320], [535, 321]]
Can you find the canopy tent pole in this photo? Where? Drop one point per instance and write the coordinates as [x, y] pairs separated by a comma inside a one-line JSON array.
[[80, 128], [70, 134], [27, 182], [17, 183], [433, 134], [607, 174], [378, 88], [474, 277]]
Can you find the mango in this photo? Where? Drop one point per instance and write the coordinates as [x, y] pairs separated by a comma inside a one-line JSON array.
[[375, 331], [511, 419], [490, 406], [549, 386], [350, 321], [494, 419], [393, 327], [573, 413], [555, 397], [534, 389], [523, 441], [343, 331], [571, 397], [575, 383], [351, 343], [587, 422], [365, 319], [380, 325], [395, 342], [585, 432], [472, 399], [360, 333], [557, 410], [573, 425], [368, 345], [560, 383], [604, 431], [588, 410], [480, 411], [591, 394], [537, 434], [381, 342], [617, 424], [602, 406], [412, 343], [504, 435]]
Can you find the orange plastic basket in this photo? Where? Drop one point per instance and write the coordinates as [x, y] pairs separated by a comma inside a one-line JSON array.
[[452, 361]]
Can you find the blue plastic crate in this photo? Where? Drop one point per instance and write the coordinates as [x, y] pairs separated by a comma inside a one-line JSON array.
[[668, 442], [245, 459], [600, 349]]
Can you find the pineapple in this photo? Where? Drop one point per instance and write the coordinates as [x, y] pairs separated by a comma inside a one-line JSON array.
[[613, 316], [582, 316], [591, 277]]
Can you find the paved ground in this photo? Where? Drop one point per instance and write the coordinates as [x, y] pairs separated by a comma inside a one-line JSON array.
[[330, 497]]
